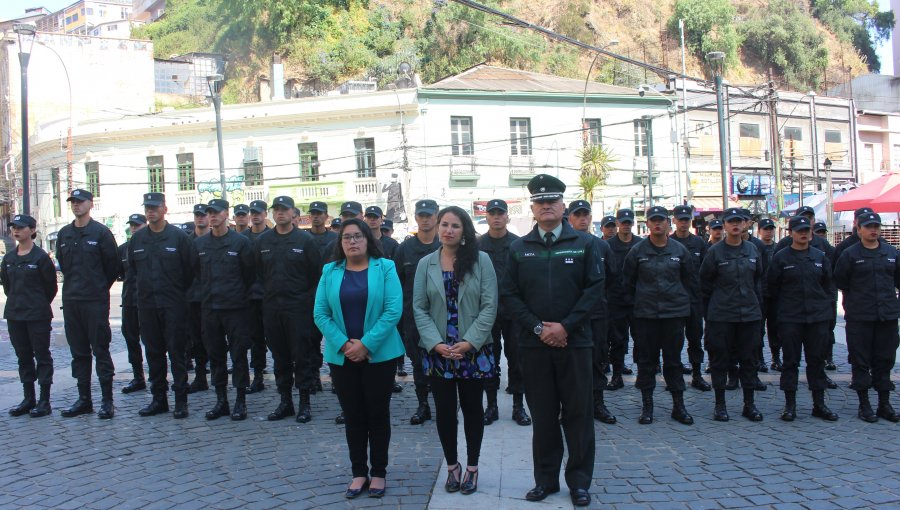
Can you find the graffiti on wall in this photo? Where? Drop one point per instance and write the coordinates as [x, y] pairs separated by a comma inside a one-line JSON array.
[[212, 188]]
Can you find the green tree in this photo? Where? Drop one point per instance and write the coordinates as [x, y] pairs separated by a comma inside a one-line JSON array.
[[858, 22], [708, 26], [596, 163]]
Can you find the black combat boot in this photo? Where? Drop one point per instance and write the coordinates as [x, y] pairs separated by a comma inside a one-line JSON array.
[[790, 406], [615, 382], [221, 408], [304, 413], [776, 360], [884, 407], [601, 413], [199, 383], [27, 403], [679, 413], [285, 407], [423, 412], [865, 408], [159, 405], [258, 384], [137, 383], [43, 406], [733, 380], [646, 417], [518, 413], [239, 411], [83, 405], [820, 410], [686, 369], [750, 411], [181, 406], [721, 410], [491, 412], [107, 409], [697, 380], [762, 361]]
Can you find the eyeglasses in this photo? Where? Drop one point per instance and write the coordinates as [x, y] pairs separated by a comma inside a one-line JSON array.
[[352, 238]]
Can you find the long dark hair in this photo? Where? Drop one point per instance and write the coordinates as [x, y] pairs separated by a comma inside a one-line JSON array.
[[467, 252], [373, 248]]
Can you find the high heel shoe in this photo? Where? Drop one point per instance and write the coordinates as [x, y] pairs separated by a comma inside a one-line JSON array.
[[353, 493], [377, 493], [470, 482], [453, 475]]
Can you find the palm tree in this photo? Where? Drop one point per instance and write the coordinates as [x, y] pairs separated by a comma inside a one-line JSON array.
[[596, 163]]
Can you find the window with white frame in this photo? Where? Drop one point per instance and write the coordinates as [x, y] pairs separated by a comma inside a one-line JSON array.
[[520, 137], [461, 136]]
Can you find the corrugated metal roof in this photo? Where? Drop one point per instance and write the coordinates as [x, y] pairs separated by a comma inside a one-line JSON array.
[[501, 79]]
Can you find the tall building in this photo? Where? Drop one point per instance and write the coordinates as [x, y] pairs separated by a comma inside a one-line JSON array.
[[83, 16]]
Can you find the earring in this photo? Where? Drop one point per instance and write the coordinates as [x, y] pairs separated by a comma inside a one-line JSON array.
[[463, 242]]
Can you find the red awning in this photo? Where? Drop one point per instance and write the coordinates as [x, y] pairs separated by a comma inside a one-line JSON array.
[[864, 195], [889, 201]]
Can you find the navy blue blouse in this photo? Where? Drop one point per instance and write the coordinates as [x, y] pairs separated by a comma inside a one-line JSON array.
[[354, 297]]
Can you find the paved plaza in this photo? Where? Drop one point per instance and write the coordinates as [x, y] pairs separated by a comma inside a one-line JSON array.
[[159, 462]]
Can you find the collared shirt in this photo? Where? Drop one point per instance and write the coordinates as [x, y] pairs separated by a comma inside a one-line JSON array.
[[556, 232]]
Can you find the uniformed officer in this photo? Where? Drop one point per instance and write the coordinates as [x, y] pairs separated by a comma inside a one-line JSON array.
[[241, 218], [553, 281], [731, 281], [761, 247], [868, 273], [716, 231], [289, 265], [766, 232], [619, 311], [799, 283], [88, 256], [853, 238], [195, 349], [387, 228], [496, 244], [608, 227], [336, 225], [258, 214], [581, 220], [820, 229], [131, 328], [407, 259], [318, 215], [163, 260], [693, 328], [226, 274], [374, 218], [29, 283]]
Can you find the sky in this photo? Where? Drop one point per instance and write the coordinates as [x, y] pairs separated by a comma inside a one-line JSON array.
[[12, 8]]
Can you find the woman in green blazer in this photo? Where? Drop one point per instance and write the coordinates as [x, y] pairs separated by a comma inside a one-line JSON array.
[[358, 304], [455, 304]]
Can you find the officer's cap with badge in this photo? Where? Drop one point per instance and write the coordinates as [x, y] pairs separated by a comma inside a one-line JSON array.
[[799, 223], [869, 219], [497, 205], [283, 201], [683, 212], [862, 210], [657, 212], [258, 206], [23, 220], [387, 225], [374, 210], [200, 209], [336, 223], [351, 207], [607, 221], [546, 188], [820, 226], [217, 205], [80, 195], [426, 206], [733, 213], [579, 205], [746, 213], [714, 224], [766, 223], [321, 207], [136, 219], [241, 210], [625, 214], [805, 210], [154, 199]]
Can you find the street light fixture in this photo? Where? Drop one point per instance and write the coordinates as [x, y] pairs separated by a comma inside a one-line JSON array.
[[215, 93], [717, 64], [25, 32]]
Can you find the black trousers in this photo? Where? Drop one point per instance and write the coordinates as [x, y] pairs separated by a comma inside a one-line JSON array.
[[600, 330], [730, 343], [873, 352], [364, 391], [772, 327], [316, 358], [287, 331], [131, 330], [163, 332], [445, 393], [195, 348], [652, 336], [620, 323], [257, 335], [800, 338], [87, 331], [509, 331], [411, 343], [559, 385], [31, 341], [226, 332], [693, 331]]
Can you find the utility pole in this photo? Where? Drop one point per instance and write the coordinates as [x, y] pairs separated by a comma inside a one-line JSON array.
[[649, 133], [814, 140], [684, 123], [775, 143]]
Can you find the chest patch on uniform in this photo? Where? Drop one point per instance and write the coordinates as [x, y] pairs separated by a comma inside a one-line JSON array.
[[231, 253], [753, 261], [264, 251], [297, 250], [31, 266], [892, 260], [92, 243], [724, 263], [171, 249], [202, 253], [139, 251], [676, 259], [789, 267], [569, 260], [643, 259], [860, 261], [818, 264]]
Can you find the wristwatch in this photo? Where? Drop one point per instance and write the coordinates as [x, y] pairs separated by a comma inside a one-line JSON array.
[[539, 328]]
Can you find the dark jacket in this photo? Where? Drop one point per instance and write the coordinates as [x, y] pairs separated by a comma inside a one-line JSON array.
[[815, 242], [256, 290], [498, 251], [288, 267], [226, 270], [695, 245], [800, 285], [843, 245], [129, 285], [613, 277], [615, 297], [869, 279], [389, 247], [323, 241], [659, 283], [194, 293], [29, 283], [164, 264], [731, 280], [560, 284], [407, 258], [89, 260]]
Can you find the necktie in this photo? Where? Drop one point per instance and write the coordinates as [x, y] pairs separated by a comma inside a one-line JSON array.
[[548, 239]]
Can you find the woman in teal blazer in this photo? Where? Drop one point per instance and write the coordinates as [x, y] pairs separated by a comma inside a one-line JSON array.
[[358, 304], [455, 304]]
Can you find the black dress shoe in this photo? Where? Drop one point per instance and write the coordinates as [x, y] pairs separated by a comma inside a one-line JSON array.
[[156, 406], [539, 493], [720, 413], [401, 372], [751, 412], [831, 384], [397, 388], [339, 419], [829, 365], [580, 497], [81, 406], [258, 383], [699, 383], [759, 385], [615, 383], [353, 493], [776, 366], [686, 369], [627, 371], [491, 414], [763, 368], [107, 410], [135, 385], [520, 416]]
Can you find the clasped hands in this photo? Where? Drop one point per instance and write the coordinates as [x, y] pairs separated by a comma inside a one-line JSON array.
[[455, 351], [354, 350], [554, 334]]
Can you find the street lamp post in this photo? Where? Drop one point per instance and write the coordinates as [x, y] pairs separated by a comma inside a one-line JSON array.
[[648, 132], [25, 34], [829, 205], [717, 63], [215, 91]]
